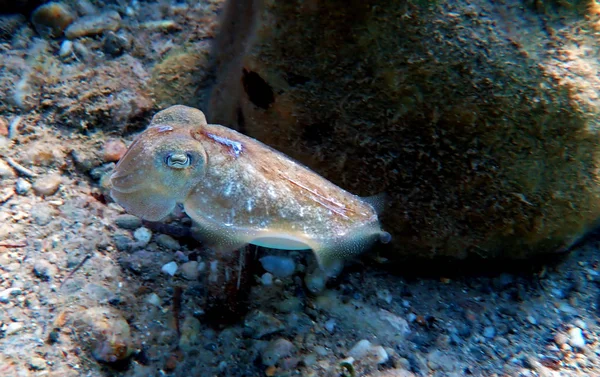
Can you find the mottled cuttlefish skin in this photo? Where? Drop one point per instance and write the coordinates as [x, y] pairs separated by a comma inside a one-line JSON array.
[[239, 191]]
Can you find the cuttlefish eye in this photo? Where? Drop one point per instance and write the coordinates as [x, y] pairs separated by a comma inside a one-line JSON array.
[[178, 160]]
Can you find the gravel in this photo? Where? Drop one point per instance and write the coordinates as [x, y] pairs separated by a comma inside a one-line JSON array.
[[139, 306]]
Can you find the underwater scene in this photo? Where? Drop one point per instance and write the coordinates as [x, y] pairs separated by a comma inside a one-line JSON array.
[[314, 188]]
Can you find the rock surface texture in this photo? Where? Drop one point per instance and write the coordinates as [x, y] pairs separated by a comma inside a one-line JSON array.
[[479, 120]]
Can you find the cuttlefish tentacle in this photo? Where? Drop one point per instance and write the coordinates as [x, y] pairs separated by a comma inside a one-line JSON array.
[[239, 191]]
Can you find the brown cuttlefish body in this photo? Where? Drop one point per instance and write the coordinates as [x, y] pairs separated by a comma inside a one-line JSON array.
[[239, 191]]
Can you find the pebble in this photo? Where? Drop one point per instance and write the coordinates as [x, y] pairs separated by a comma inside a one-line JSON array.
[[190, 270], [190, 333], [266, 279], [47, 185], [22, 186], [66, 49], [85, 160], [384, 295], [330, 325], [165, 25], [13, 328], [365, 349], [315, 281], [181, 257], [321, 351], [51, 19], [399, 324], [566, 308], [101, 171], [489, 332], [44, 269], [258, 324], [289, 305], [81, 51], [576, 338], [169, 268], [3, 124], [275, 350], [94, 25], [561, 338], [379, 354], [42, 214], [153, 299], [280, 267], [167, 242], [115, 44], [104, 332], [143, 236], [5, 170], [122, 241], [437, 360], [142, 262], [37, 363], [113, 150], [127, 221], [360, 349], [6, 294]]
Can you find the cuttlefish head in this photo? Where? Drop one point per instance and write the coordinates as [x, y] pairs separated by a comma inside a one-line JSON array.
[[158, 170]]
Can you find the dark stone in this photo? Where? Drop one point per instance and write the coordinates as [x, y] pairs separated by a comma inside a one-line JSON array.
[[19, 6]]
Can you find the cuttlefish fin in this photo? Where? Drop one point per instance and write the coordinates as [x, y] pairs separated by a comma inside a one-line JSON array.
[[217, 237], [217, 240], [379, 201]]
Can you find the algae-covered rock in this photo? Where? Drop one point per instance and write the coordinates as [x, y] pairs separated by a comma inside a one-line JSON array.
[[480, 120], [179, 76]]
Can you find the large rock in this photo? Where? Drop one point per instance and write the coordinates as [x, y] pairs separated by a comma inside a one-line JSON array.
[[479, 119]]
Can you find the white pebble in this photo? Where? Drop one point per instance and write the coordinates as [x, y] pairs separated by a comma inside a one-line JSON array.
[[576, 338], [66, 49], [360, 349], [143, 235], [321, 351], [275, 350], [266, 279], [280, 267], [380, 355], [330, 325], [13, 328], [315, 282], [489, 332], [153, 299], [190, 270], [384, 295], [364, 349], [169, 268], [22, 186]]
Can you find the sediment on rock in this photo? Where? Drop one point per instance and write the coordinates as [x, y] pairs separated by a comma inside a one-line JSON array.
[[479, 120]]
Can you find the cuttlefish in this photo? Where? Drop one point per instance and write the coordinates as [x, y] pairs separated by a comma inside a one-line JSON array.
[[240, 191]]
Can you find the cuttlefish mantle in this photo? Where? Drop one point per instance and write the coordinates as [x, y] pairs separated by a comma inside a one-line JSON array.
[[239, 191]]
